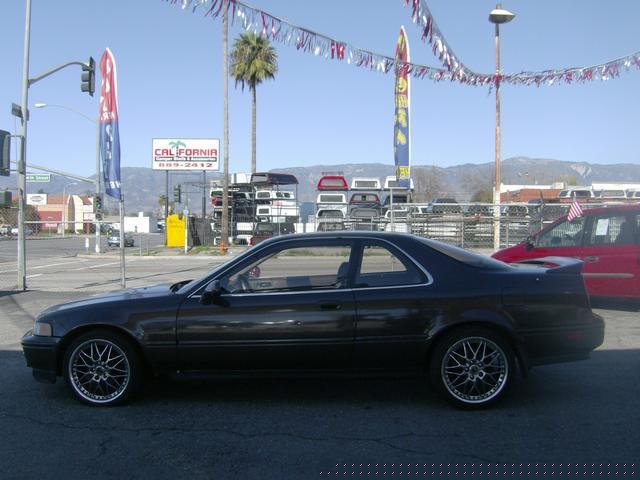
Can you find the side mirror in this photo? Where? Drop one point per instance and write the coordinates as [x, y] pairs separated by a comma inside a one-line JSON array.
[[211, 293], [530, 244]]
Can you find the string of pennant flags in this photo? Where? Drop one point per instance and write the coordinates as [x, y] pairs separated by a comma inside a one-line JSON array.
[[303, 39], [430, 33], [453, 69]]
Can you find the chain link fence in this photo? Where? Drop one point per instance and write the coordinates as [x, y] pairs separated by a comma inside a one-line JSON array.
[[469, 225], [61, 243]]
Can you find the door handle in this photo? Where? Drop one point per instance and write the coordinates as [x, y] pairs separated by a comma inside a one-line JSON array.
[[590, 259], [330, 306]]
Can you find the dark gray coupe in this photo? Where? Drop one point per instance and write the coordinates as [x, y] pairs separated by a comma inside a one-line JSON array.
[[356, 303]]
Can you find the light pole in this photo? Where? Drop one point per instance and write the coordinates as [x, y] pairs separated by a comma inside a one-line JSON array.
[[498, 16], [64, 207], [97, 180]]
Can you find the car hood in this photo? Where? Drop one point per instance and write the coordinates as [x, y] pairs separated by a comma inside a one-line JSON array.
[[115, 296]]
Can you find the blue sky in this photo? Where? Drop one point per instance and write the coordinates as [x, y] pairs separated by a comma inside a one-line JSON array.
[[323, 112]]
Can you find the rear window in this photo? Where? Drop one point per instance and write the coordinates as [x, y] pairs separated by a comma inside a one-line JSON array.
[[331, 198], [463, 256], [332, 182], [366, 184], [613, 193]]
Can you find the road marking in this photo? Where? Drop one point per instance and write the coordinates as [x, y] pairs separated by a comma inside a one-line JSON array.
[[96, 266], [35, 275], [51, 265]]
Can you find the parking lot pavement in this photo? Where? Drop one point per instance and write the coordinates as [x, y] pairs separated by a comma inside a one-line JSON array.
[[566, 415]]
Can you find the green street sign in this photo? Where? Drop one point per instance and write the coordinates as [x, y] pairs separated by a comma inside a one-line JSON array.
[[38, 178]]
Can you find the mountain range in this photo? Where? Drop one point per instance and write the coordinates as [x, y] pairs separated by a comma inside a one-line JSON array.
[[143, 186]]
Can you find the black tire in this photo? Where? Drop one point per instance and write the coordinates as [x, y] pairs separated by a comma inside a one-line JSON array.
[[102, 368], [472, 367]]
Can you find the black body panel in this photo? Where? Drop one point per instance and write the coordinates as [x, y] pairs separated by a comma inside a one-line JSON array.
[[546, 316]]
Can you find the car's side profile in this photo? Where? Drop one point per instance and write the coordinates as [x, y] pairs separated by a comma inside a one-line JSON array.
[[607, 240], [356, 303]]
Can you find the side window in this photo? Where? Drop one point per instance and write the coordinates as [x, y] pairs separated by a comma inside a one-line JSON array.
[[612, 230], [306, 268], [382, 268], [565, 234]]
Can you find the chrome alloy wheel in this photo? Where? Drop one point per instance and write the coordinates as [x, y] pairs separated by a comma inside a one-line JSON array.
[[99, 371], [474, 370]]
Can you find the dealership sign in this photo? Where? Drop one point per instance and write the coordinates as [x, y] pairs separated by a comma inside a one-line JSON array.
[[186, 154], [36, 198]]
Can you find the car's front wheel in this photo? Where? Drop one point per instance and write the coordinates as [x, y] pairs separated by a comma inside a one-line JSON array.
[[102, 368], [472, 367]]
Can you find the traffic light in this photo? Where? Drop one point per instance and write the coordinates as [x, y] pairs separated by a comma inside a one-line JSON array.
[[177, 194], [5, 147], [97, 203], [5, 198], [88, 83]]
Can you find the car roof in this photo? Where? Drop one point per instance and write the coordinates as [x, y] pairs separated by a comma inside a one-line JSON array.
[[389, 236], [617, 208]]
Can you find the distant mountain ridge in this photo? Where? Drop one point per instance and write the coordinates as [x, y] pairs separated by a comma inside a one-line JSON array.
[[142, 186]]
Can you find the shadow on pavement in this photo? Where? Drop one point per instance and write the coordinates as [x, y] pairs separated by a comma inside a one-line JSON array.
[[602, 380]]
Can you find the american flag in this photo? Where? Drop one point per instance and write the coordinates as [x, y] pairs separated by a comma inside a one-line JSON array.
[[575, 211]]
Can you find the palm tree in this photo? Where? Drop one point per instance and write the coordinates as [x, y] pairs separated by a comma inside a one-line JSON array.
[[253, 60]]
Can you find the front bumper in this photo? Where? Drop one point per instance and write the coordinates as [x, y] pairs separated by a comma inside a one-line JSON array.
[[41, 354]]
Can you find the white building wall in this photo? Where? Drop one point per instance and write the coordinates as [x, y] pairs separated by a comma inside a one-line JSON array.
[[140, 224]]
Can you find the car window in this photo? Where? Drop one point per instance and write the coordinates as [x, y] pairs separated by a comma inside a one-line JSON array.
[[612, 230], [380, 267], [313, 267], [564, 234]]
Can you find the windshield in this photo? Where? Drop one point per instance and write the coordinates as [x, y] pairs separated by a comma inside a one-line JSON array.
[[182, 287]]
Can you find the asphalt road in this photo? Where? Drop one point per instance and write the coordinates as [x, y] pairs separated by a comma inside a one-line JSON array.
[[578, 419], [46, 247]]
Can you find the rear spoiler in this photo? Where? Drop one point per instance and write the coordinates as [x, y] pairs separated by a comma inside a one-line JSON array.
[[563, 265]]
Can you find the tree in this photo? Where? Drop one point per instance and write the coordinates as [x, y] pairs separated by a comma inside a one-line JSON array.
[[429, 182], [483, 196], [253, 60], [161, 201]]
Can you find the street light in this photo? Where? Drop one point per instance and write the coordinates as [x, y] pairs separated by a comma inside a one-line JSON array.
[[64, 207], [97, 181], [498, 16]]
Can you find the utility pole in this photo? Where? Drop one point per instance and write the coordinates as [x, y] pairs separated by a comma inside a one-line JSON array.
[[224, 234], [22, 179], [95, 210]]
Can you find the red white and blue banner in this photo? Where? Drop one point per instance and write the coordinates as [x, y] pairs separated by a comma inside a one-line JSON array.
[[109, 134], [401, 138], [575, 211]]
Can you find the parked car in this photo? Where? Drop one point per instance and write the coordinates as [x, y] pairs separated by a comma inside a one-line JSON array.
[[444, 206], [27, 231], [577, 192], [5, 229], [606, 239], [114, 239], [618, 194], [358, 303]]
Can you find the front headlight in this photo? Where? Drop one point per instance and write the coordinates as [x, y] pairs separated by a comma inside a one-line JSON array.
[[42, 329]]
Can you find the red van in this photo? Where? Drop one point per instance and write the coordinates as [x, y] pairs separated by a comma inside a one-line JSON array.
[[607, 240]]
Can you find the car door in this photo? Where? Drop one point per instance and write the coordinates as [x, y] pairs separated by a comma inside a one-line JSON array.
[[395, 309], [611, 255], [288, 308]]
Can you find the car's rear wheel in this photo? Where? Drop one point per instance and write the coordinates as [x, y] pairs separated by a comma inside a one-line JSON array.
[[472, 367], [102, 368]]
